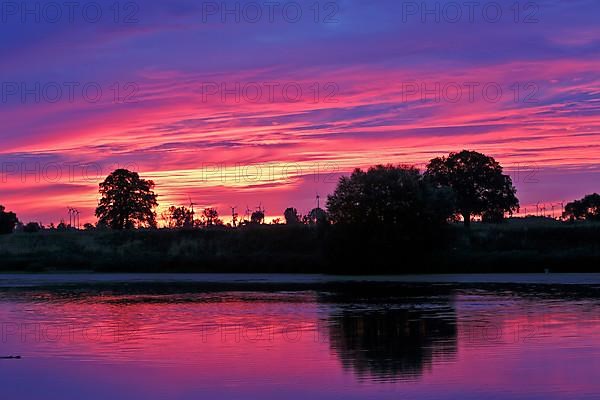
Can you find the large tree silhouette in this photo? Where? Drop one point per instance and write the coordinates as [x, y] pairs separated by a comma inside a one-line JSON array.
[[388, 196], [479, 186], [127, 201], [8, 221], [385, 213], [587, 208]]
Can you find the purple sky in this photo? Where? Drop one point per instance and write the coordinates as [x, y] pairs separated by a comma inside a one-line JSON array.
[[272, 108]]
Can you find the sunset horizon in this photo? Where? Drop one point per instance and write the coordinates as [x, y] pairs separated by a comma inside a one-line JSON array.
[[245, 108], [305, 199]]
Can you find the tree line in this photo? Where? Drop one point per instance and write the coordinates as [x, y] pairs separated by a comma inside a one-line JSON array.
[[390, 198]]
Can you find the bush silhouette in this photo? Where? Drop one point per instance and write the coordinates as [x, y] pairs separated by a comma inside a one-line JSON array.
[[291, 216], [32, 227]]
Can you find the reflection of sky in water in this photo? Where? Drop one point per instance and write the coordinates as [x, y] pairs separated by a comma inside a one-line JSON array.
[[157, 343]]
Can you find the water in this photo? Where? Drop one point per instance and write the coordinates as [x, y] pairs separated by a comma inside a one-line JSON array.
[[309, 339]]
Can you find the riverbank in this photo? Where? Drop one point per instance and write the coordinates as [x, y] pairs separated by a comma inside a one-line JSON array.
[[518, 246], [24, 280]]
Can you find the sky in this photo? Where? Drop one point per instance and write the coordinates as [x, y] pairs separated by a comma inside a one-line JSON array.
[[241, 103]]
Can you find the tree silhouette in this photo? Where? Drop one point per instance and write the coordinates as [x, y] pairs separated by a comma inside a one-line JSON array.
[[587, 208], [317, 216], [167, 217], [388, 196], [177, 217], [257, 217], [383, 214], [210, 217], [8, 221], [127, 201], [291, 216], [479, 186]]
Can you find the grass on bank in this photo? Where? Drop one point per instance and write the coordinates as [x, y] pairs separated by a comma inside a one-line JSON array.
[[519, 245]]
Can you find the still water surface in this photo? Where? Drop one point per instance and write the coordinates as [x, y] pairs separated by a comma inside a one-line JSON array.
[[276, 341]]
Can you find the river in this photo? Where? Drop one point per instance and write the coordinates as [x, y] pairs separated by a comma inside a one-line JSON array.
[[298, 337]]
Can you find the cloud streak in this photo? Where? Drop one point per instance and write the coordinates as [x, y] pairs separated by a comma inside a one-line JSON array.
[[183, 100]]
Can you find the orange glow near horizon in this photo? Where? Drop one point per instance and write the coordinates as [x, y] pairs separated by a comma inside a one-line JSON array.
[[186, 130]]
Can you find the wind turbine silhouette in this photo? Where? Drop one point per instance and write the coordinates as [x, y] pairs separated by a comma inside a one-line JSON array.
[[192, 204], [71, 215], [247, 215], [76, 218]]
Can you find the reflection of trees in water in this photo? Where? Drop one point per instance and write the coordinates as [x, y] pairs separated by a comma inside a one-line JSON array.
[[392, 344]]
